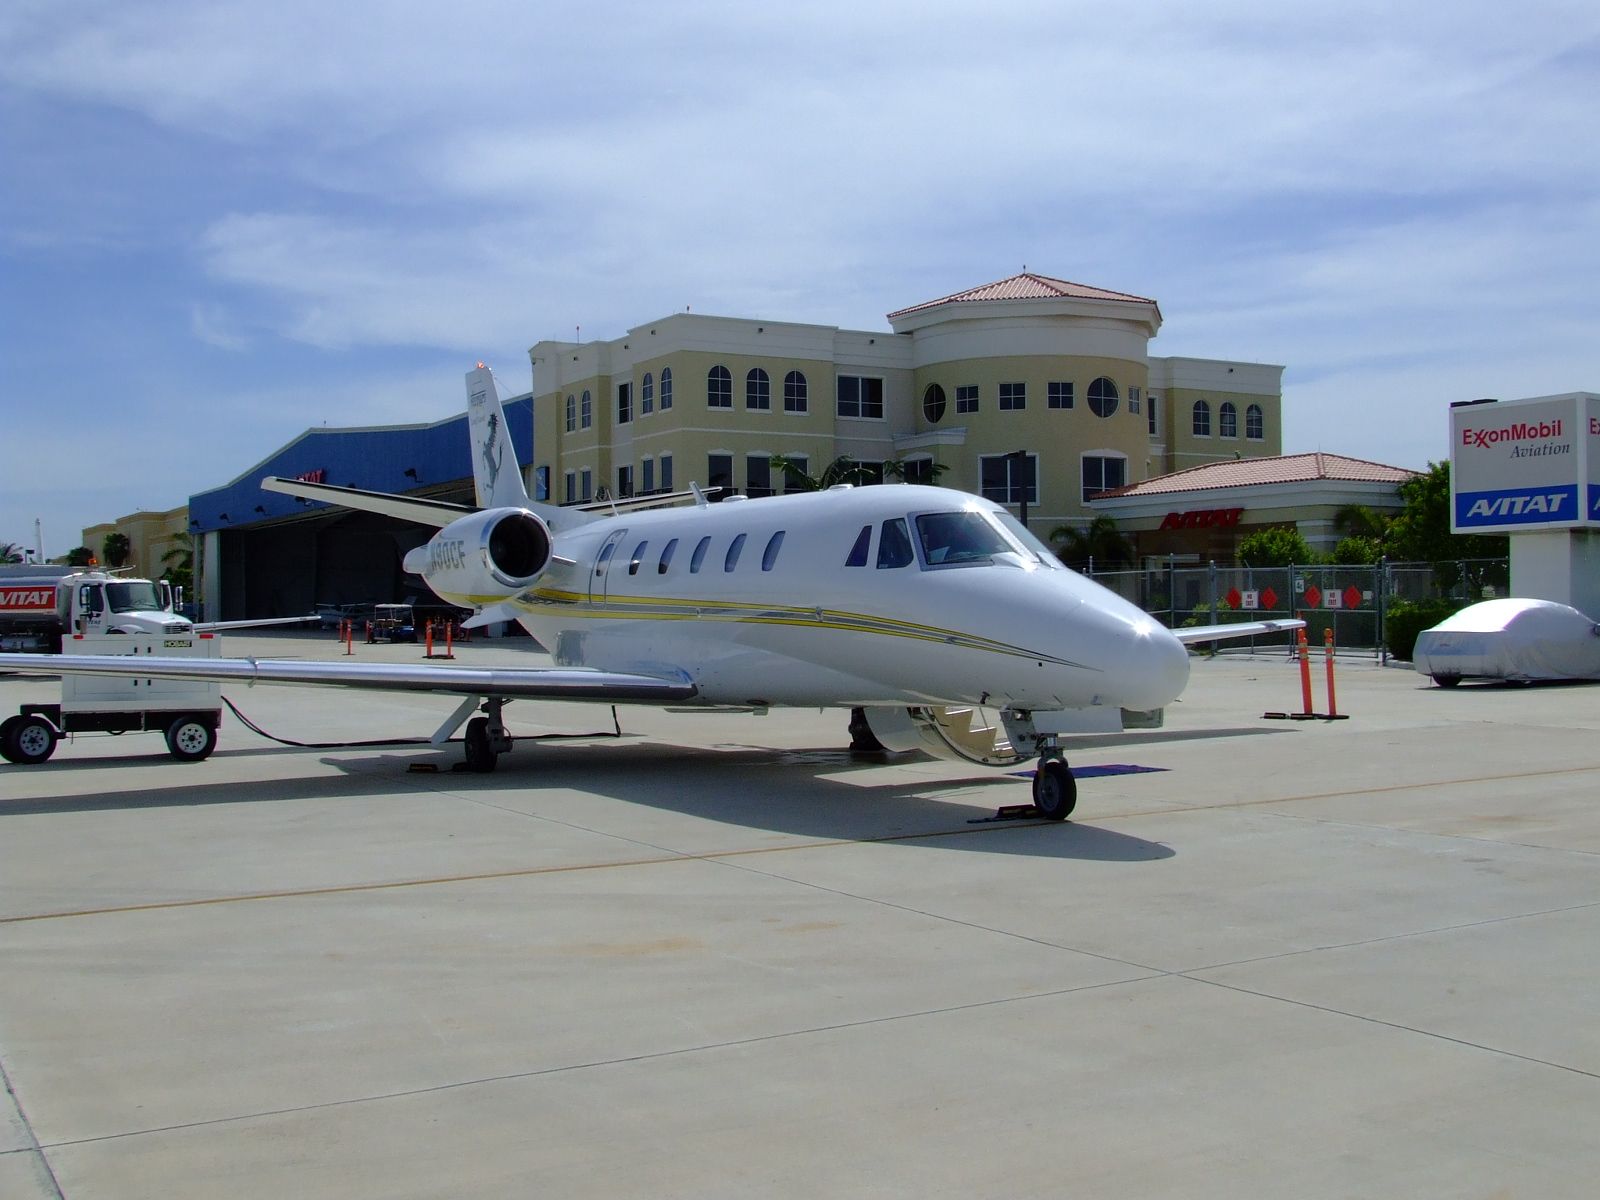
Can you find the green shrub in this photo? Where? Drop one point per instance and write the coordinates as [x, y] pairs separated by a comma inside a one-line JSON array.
[[1404, 619]]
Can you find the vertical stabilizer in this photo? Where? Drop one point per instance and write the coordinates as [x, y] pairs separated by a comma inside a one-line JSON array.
[[494, 459]]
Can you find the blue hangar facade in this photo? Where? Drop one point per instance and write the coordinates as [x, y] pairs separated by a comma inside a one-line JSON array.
[[264, 554]]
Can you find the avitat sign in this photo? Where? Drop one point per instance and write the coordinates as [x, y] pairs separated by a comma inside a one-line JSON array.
[[1525, 464]]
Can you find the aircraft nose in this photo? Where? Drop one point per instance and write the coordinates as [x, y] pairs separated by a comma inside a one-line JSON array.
[[1155, 668]]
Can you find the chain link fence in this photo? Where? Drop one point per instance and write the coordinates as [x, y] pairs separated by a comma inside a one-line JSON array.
[[1350, 600]]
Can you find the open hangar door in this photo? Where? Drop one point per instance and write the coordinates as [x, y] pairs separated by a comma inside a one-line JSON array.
[[287, 569]]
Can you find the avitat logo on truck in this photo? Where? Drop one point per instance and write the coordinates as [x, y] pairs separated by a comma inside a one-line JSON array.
[[14, 598]]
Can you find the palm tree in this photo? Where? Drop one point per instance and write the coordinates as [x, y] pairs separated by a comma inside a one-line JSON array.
[[177, 564], [1101, 544], [843, 469], [115, 549], [10, 552]]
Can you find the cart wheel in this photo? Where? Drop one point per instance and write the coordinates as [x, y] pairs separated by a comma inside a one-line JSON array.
[[31, 740], [190, 738], [7, 728]]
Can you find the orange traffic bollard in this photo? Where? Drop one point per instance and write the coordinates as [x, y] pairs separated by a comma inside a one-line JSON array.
[[1327, 641], [1305, 673]]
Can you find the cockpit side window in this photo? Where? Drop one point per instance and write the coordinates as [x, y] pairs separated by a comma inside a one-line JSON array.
[[858, 552], [894, 545], [954, 538]]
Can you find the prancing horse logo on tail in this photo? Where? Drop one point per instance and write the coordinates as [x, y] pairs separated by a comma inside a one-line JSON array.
[[493, 451]]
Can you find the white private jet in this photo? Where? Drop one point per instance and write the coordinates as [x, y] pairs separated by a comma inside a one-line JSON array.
[[922, 607]]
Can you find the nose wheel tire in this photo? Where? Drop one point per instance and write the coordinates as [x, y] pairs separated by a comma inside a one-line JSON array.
[[1055, 791]]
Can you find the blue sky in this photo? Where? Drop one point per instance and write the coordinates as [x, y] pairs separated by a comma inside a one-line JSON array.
[[222, 222]]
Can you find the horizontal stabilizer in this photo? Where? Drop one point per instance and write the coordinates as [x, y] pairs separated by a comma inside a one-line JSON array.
[[437, 513]]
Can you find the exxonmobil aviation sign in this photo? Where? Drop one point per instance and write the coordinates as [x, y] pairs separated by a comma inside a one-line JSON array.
[[1525, 464]]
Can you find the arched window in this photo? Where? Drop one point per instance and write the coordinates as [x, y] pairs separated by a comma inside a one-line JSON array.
[[1202, 419], [1228, 420], [1102, 397], [719, 387], [647, 393], [796, 396], [586, 415], [666, 388], [572, 412], [933, 404], [1253, 424], [757, 390]]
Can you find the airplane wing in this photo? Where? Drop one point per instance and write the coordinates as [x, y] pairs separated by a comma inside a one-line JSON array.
[[437, 513], [1239, 629], [527, 683]]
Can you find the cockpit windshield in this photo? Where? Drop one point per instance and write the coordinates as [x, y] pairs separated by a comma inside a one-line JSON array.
[[132, 597], [952, 538]]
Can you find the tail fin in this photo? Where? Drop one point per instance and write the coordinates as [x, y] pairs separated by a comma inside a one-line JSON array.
[[494, 459]]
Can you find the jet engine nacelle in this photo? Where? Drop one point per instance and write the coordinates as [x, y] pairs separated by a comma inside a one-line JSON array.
[[485, 558]]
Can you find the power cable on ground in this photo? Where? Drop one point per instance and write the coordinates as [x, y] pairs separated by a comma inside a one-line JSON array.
[[616, 732]]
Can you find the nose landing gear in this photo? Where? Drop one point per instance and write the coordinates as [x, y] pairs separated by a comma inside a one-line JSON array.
[[1055, 791]]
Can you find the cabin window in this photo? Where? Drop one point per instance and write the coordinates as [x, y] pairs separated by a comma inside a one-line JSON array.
[[666, 556], [699, 555], [858, 552], [894, 546], [638, 557], [770, 556], [949, 539], [732, 559]]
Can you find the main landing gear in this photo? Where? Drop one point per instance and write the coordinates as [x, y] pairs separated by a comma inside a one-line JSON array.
[[486, 737]]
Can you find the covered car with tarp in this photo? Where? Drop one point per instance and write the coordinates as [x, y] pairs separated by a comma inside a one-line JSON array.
[[1515, 639]]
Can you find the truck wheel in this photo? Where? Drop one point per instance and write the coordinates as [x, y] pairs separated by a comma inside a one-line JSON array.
[[7, 728], [31, 740], [190, 739]]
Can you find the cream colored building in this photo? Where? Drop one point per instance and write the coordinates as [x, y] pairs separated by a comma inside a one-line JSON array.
[[1030, 386], [151, 536]]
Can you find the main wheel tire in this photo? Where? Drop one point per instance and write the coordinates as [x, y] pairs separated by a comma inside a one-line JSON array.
[[1447, 679], [191, 738], [480, 750], [1055, 791], [31, 740]]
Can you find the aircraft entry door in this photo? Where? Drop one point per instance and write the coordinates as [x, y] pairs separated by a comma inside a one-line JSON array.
[[602, 566]]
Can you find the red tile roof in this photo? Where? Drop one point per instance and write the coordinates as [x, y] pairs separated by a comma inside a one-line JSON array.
[[1026, 286], [1254, 472]]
